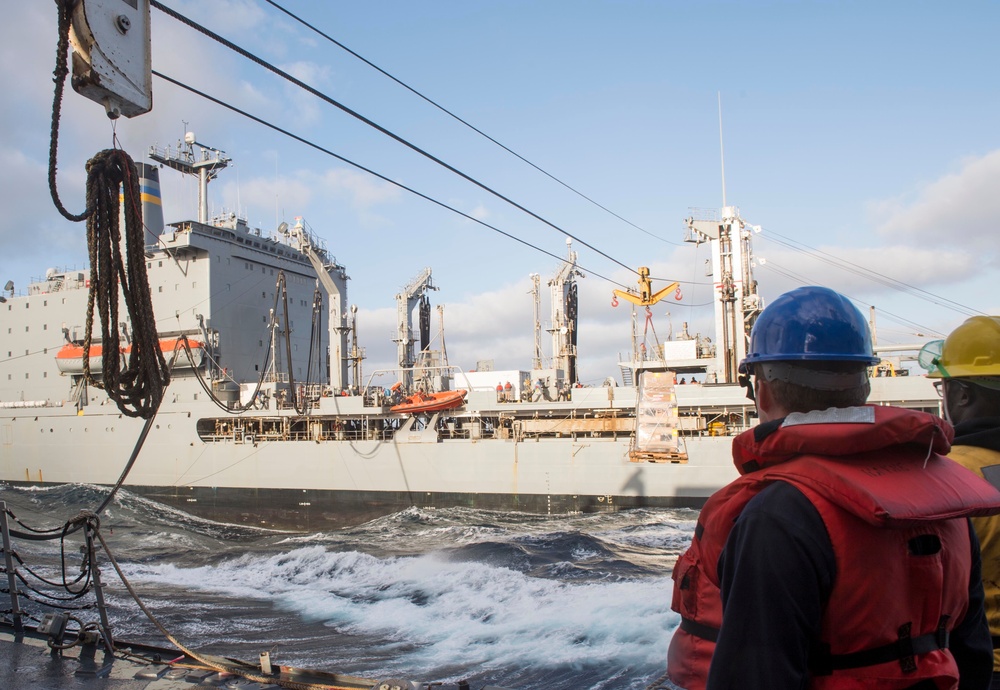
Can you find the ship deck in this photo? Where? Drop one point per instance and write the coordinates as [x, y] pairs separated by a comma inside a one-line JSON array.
[[27, 663]]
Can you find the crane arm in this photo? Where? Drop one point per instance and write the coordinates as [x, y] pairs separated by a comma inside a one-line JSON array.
[[645, 297]]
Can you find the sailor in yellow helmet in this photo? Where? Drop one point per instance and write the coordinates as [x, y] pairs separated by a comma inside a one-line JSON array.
[[969, 372]]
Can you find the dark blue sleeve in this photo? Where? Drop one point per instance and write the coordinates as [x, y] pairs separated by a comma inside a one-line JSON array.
[[970, 642], [776, 573]]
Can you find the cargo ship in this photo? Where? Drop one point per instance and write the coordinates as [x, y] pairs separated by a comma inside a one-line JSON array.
[[248, 432]]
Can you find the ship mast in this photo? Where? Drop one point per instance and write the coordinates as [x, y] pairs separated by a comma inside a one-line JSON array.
[[333, 277], [737, 302], [536, 303], [564, 315], [410, 297], [205, 165]]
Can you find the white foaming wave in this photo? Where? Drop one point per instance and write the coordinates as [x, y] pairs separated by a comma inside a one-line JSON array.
[[487, 617]]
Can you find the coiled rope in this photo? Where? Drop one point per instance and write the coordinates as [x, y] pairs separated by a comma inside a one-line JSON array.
[[138, 387]]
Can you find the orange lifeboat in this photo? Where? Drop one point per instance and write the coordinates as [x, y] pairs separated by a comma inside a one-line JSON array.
[[69, 359], [430, 402]]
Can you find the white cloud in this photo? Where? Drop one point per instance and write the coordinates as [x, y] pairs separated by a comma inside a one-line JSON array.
[[363, 191], [961, 209], [480, 212]]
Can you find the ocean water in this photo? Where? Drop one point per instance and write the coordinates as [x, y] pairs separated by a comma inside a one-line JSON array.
[[515, 600]]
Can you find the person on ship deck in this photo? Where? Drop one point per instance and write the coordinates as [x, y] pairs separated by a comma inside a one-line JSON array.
[[968, 373], [842, 557]]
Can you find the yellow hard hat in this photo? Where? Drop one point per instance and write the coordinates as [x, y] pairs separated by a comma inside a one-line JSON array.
[[972, 349]]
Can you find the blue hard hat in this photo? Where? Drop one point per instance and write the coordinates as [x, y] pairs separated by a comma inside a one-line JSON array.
[[810, 324]]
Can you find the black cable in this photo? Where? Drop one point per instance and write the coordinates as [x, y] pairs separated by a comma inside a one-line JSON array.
[[322, 96], [60, 72], [870, 274], [464, 122], [378, 175]]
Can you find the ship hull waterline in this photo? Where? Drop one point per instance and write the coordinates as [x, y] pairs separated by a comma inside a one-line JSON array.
[[305, 485]]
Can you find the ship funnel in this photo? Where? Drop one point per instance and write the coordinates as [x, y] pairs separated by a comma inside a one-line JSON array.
[[152, 205]]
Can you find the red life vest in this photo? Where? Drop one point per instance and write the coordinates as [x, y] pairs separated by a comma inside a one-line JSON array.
[[888, 485]]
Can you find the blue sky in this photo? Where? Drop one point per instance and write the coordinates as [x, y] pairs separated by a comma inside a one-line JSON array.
[[865, 130]]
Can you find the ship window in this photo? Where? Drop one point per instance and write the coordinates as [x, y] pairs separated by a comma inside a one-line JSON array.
[[159, 289], [195, 396], [45, 351], [45, 303], [26, 329], [194, 283], [260, 343], [264, 319], [160, 264], [45, 326], [263, 295], [25, 374], [149, 264], [45, 374]]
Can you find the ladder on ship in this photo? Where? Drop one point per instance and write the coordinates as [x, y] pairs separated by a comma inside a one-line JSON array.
[[626, 375]]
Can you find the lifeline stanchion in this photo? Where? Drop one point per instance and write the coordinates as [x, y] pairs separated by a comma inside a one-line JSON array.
[[15, 608], [98, 588]]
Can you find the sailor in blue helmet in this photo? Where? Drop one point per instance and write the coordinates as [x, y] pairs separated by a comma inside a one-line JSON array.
[[842, 557]]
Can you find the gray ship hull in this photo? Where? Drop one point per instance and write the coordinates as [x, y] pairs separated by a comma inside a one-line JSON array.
[[319, 483]]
